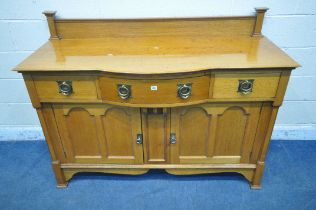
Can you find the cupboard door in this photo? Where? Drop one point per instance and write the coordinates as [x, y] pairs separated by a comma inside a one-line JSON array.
[[214, 133], [99, 133]]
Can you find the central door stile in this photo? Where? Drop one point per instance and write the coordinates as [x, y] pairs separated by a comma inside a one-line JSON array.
[[156, 131]]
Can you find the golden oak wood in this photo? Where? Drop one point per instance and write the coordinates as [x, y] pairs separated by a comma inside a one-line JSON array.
[[259, 20], [216, 129], [50, 15], [166, 92], [99, 133], [265, 85], [84, 87], [157, 55], [80, 29], [284, 79], [156, 131], [203, 137], [32, 90], [156, 46], [159, 166]]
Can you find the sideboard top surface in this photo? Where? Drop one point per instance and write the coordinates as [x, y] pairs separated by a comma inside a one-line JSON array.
[[157, 46], [156, 55]]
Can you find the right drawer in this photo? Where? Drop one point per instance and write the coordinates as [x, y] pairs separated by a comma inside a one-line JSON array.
[[245, 85]]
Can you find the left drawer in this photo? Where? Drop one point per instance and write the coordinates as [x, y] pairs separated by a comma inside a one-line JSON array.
[[66, 88]]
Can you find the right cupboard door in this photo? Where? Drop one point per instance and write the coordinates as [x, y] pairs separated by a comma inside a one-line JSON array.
[[214, 133]]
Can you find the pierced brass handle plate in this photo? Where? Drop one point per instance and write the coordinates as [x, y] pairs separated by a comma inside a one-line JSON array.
[[185, 90], [124, 91], [65, 87], [245, 86]]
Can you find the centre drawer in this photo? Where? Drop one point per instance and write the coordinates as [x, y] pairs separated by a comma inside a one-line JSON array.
[[154, 91]]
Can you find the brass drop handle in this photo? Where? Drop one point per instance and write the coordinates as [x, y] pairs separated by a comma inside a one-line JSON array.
[[173, 138], [139, 139], [184, 90], [124, 91], [65, 87], [245, 86]]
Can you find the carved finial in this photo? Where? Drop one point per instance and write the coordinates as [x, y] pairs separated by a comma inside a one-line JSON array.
[[260, 11], [50, 15]]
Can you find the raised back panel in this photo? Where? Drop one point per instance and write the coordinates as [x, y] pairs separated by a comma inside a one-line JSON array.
[[215, 26]]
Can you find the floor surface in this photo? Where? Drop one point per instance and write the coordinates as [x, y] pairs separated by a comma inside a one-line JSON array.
[[27, 182]]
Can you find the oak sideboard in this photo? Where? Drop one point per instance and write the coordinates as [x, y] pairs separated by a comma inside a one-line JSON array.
[[187, 95]]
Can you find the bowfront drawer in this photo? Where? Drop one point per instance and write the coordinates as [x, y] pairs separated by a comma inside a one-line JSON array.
[[245, 85], [66, 88], [154, 91]]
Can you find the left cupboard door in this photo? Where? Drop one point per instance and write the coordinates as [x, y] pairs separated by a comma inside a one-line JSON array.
[[99, 133]]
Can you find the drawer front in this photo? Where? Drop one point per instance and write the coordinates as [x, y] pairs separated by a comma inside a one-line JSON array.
[[155, 91], [49, 87], [229, 85]]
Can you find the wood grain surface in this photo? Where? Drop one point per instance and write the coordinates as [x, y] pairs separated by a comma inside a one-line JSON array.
[[157, 55]]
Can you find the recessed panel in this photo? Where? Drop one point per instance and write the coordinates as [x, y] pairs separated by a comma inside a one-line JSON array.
[[230, 132], [117, 125], [194, 131]]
